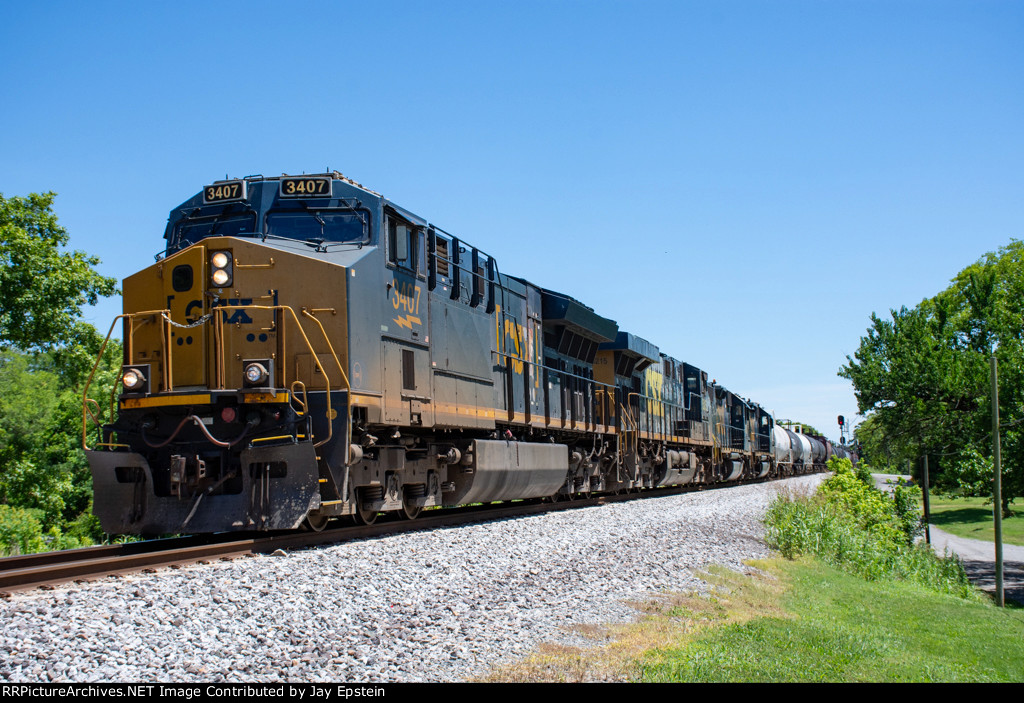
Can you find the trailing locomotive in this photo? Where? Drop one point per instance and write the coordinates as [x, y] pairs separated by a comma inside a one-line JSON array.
[[305, 349]]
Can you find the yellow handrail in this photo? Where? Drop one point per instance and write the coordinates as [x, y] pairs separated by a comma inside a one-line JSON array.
[[302, 403], [219, 342], [635, 431], [219, 347], [92, 373], [344, 377]]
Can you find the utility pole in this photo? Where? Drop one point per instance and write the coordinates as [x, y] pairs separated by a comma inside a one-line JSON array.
[[997, 486], [927, 512]]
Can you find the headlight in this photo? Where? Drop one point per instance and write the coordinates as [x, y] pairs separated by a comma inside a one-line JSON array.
[[255, 374], [134, 379], [220, 278], [220, 269]]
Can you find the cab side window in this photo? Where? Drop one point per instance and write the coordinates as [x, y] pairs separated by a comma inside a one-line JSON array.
[[404, 249]]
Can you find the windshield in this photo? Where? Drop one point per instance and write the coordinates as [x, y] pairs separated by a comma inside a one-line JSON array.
[[190, 231], [325, 225]]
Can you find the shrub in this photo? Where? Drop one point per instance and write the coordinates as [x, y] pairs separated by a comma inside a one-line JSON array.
[[20, 531], [863, 472], [854, 526]]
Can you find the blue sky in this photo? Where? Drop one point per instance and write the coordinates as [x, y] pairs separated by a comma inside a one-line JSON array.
[[741, 183]]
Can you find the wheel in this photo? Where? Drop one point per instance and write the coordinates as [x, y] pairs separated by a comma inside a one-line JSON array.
[[315, 523], [367, 494], [408, 510], [364, 516]]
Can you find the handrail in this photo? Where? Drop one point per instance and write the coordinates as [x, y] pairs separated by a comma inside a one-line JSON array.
[[599, 387], [99, 357], [295, 396], [219, 349], [219, 366], [94, 416], [344, 377], [635, 431]]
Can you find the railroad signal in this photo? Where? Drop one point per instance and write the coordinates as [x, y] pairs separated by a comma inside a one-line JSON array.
[[842, 420]]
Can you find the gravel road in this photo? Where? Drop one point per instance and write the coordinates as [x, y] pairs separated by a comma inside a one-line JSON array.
[[438, 606]]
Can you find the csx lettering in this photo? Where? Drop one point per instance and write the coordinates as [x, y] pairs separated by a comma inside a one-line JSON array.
[[192, 305], [655, 383], [514, 332], [237, 316]]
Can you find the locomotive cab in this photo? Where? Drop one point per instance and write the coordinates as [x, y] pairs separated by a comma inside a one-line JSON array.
[[234, 394]]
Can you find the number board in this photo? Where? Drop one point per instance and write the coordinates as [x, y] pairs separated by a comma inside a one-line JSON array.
[[306, 187], [224, 192]]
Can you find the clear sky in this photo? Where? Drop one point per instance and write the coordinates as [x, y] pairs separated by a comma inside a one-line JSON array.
[[741, 183]]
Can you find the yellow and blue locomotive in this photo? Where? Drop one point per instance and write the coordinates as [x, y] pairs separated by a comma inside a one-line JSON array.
[[305, 349]]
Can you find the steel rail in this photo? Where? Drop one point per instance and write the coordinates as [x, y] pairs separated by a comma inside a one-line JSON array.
[[23, 572]]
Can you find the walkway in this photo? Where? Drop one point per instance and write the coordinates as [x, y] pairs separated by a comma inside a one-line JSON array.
[[979, 557]]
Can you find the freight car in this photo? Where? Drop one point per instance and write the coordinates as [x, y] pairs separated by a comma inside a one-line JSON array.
[[305, 349]]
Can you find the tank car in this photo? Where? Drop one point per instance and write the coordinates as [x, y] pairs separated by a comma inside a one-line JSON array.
[[305, 349], [798, 453]]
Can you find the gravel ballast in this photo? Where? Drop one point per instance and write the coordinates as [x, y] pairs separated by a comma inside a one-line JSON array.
[[433, 606]]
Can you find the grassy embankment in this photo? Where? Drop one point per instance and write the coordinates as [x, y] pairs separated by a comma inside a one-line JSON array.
[[869, 606], [836, 626]]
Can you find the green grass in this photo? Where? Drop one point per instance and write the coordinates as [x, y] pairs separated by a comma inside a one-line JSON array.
[[869, 605], [970, 517], [838, 627]]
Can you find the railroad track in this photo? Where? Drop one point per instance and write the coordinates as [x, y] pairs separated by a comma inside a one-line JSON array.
[[45, 570]]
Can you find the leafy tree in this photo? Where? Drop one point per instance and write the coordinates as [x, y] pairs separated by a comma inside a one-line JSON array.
[[804, 428], [41, 464], [923, 376], [46, 353], [811, 430], [42, 288], [876, 447]]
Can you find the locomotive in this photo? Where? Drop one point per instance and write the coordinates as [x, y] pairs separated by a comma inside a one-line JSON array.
[[305, 349]]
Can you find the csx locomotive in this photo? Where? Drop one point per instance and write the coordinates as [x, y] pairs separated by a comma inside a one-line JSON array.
[[305, 349]]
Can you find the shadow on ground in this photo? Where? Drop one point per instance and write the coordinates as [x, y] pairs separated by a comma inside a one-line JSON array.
[[983, 575], [960, 515]]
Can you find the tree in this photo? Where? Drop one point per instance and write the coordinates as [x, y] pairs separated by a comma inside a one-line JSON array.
[[46, 351], [42, 288], [810, 429], [28, 401], [923, 375], [878, 449], [803, 427]]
